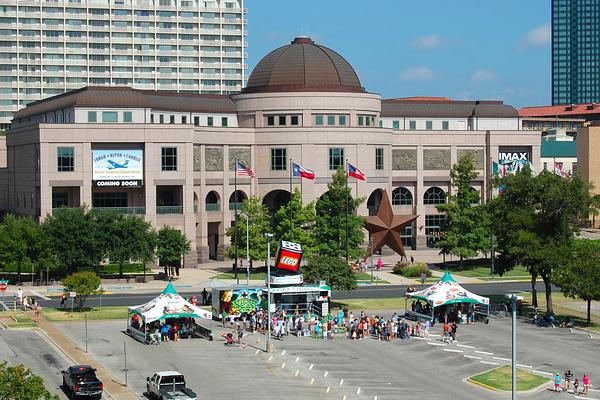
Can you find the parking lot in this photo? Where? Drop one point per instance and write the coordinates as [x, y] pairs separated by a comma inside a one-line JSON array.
[[306, 368]]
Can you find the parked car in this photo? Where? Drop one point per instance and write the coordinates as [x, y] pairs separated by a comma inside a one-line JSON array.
[[168, 385], [81, 381]]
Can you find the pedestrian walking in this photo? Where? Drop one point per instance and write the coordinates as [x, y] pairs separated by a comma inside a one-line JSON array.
[[204, 295], [557, 382], [576, 386], [20, 297], [586, 383], [568, 376], [379, 264], [453, 329], [63, 299]]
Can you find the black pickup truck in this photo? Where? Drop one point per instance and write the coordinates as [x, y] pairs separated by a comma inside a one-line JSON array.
[[81, 381]]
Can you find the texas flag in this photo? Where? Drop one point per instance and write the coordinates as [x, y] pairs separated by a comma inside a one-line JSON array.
[[355, 172], [299, 170]]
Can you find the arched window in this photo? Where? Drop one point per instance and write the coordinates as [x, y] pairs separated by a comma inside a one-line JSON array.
[[401, 196], [240, 196], [434, 195], [213, 201]]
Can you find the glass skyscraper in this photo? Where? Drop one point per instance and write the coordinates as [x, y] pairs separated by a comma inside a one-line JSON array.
[[575, 51]]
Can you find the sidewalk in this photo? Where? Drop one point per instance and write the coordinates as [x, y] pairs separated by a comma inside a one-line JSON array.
[[111, 385]]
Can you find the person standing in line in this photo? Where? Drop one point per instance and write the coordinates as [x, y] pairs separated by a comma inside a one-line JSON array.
[[568, 376], [576, 386], [204, 295], [20, 297], [586, 383], [557, 382], [453, 329]]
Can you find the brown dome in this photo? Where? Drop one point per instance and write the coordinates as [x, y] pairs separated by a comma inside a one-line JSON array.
[[303, 66]]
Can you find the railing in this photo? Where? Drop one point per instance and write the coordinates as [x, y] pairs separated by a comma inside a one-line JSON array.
[[169, 209], [123, 210], [235, 206], [213, 207]]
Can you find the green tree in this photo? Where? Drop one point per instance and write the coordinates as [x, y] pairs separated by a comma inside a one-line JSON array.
[[260, 223], [579, 277], [171, 245], [128, 237], [19, 383], [303, 223], [74, 239], [535, 220], [24, 245], [594, 208], [84, 284], [333, 270], [330, 227], [466, 231]]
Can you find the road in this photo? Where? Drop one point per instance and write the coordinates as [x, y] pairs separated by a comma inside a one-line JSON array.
[[382, 291]]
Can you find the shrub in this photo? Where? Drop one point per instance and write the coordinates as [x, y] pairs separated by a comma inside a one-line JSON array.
[[415, 270], [399, 267]]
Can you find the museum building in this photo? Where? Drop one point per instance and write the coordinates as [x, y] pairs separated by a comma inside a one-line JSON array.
[[170, 156]]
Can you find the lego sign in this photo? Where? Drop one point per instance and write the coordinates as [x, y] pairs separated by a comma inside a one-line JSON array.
[[288, 256]]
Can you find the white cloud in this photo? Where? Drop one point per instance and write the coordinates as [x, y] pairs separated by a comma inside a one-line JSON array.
[[482, 75], [539, 36], [428, 42], [417, 74]]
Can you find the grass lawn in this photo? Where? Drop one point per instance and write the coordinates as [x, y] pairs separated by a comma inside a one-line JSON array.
[[366, 277], [483, 272], [567, 307], [501, 379], [379, 304], [257, 276], [22, 320], [93, 314]]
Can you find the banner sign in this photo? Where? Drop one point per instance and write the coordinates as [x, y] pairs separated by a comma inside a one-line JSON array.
[[118, 168], [288, 256], [508, 155]]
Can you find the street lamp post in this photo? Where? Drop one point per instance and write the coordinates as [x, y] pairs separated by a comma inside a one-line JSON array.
[[513, 301], [269, 345], [371, 251], [247, 249]]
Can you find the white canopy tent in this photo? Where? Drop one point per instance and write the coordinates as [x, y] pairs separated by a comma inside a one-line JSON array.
[[447, 291], [169, 304]]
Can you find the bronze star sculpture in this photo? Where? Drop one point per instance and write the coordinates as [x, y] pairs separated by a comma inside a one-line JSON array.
[[385, 227]]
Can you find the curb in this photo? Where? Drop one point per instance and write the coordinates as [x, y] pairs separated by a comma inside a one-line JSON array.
[[483, 385]]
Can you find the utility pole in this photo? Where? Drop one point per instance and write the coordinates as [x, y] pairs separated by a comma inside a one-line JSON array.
[[269, 348]]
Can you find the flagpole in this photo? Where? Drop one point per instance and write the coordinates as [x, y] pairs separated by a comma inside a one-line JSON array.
[[290, 205], [235, 270], [347, 195]]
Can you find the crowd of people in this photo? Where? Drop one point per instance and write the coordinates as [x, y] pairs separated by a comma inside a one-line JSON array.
[[569, 379], [170, 329]]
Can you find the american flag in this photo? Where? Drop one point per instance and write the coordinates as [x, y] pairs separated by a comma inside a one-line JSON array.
[[242, 170]]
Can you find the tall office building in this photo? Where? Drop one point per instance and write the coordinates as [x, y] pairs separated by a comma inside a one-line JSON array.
[[48, 47], [575, 51]]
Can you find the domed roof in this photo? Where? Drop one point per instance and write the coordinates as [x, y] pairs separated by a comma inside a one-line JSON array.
[[303, 66]]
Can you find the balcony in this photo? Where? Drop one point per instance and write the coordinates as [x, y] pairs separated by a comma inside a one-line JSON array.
[[123, 210], [169, 209], [213, 207]]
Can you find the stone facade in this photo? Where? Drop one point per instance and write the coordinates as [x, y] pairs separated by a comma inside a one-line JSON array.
[[197, 158], [436, 159], [214, 159], [242, 154], [404, 159], [477, 155]]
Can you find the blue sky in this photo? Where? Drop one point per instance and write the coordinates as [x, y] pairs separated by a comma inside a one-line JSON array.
[[462, 49]]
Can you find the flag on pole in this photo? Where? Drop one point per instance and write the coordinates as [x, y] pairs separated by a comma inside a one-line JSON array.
[[356, 173], [243, 170], [299, 170], [558, 170]]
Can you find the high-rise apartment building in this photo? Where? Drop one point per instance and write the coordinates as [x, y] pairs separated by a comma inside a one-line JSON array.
[[48, 47], [575, 51]]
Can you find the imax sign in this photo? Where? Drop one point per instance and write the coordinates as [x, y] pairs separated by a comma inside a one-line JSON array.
[[509, 155]]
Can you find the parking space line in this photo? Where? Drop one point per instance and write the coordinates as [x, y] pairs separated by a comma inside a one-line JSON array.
[[484, 352], [465, 346], [501, 358], [524, 366], [473, 357], [489, 362], [437, 344], [543, 372], [434, 335], [454, 350], [4, 306], [587, 398]]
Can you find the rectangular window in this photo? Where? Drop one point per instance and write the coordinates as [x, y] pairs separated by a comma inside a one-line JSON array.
[[92, 116], [396, 125], [110, 117], [168, 159], [574, 168], [336, 158], [318, 120], [294, 120], [209, 121], [361, 121], [379, 158], [196, 121], [281, 120], [331, 120], [412, 125], [342, 120], [184, 119], [270, 120], [161, 119], [278, 159], [223, 121], [445, 125], [151, 118], [65, 159], [127, 116], [171, 119], [429, 125]]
